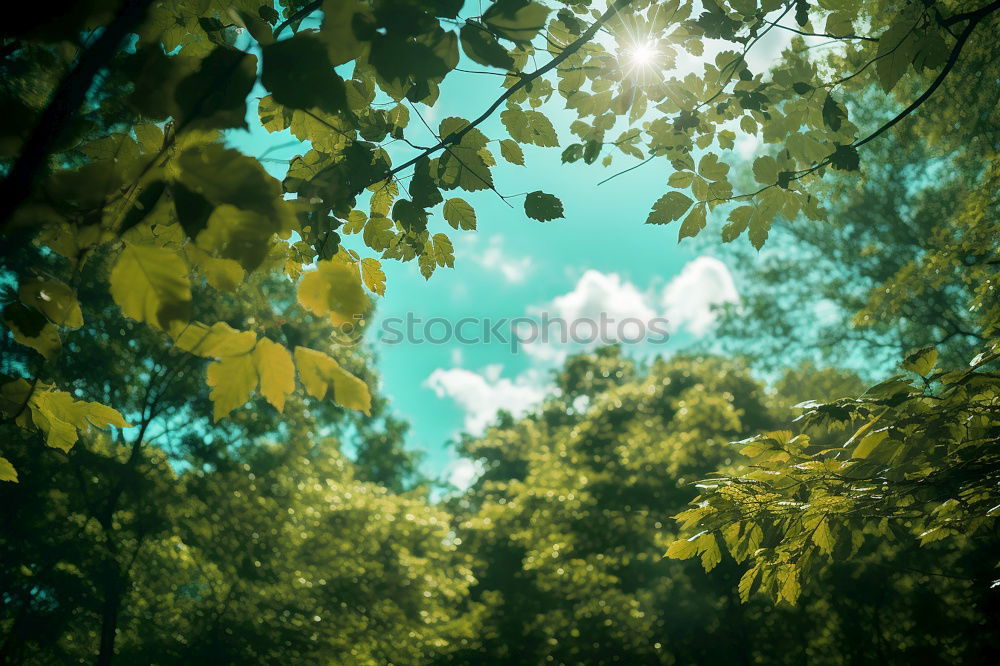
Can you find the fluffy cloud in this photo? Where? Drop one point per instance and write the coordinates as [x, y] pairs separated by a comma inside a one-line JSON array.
[[480, 395], [688, 298], [596, 293], [686, 301], [493, 258]]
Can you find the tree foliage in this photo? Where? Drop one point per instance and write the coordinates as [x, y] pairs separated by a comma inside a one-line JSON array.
[[155, 281], [118, 143]]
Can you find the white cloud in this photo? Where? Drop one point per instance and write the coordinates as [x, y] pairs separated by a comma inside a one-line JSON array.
[[493, 258], [597, 297], [480, 395], [596, 293], [463, 472], [689, 297], [686, 302]]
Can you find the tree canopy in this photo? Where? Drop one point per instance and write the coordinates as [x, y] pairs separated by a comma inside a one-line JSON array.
[[197, 465]]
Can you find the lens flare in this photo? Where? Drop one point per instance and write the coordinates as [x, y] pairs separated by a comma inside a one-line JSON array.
[[642, 55]]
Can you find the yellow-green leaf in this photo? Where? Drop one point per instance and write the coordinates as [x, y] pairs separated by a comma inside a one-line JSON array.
[[459, 214], [869, 442], [53, 299], [31, 329], [216, 341], [232, 379], [512, 152], [822, 537], [921, 361], [746, 584], [682, 549], [7, 471], [276, 371], [374, 278], [151, 284], [333, 290], [321, 374]]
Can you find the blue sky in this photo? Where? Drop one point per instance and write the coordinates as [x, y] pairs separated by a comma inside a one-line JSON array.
[[600, 258]]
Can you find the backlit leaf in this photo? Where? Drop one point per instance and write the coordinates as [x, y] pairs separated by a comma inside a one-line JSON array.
[[320, 374], [276, 372], [333, 290], [151, 284]]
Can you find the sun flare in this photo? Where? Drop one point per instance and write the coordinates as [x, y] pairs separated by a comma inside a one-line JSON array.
[[642, 55]]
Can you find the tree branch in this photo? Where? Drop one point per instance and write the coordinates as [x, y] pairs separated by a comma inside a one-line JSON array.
[[975, 15], [948, 66], [456, 137], [298, 15]]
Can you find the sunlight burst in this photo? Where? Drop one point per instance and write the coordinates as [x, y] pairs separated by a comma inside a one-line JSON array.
[[642, 55]]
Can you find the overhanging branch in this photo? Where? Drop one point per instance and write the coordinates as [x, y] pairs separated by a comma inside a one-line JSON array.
[[456, 137]]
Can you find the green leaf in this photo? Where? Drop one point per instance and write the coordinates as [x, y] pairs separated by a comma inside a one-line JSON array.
[[151, 284], [321, 374], [823, 537], [790, 588], [215, 96], [512, 152], [516, 20], [483, 48], [890, 388], [7, 471], [747, 581], [572, 153], [529, 127], [298, 74], [760, 228], [671, 206], [61, 418], [765, 170], [53, 299], [378, 233], [409, 215], [542, 207], [896, 50], [333, 290], [739, 220], [680, 180], [711, 168], [682, 549], [708, 546], [834, 113], [868, 443], [921, 361], [426, 261], [31, 329], [340, 18], [356, 221], [693, 223], [459, 214]]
